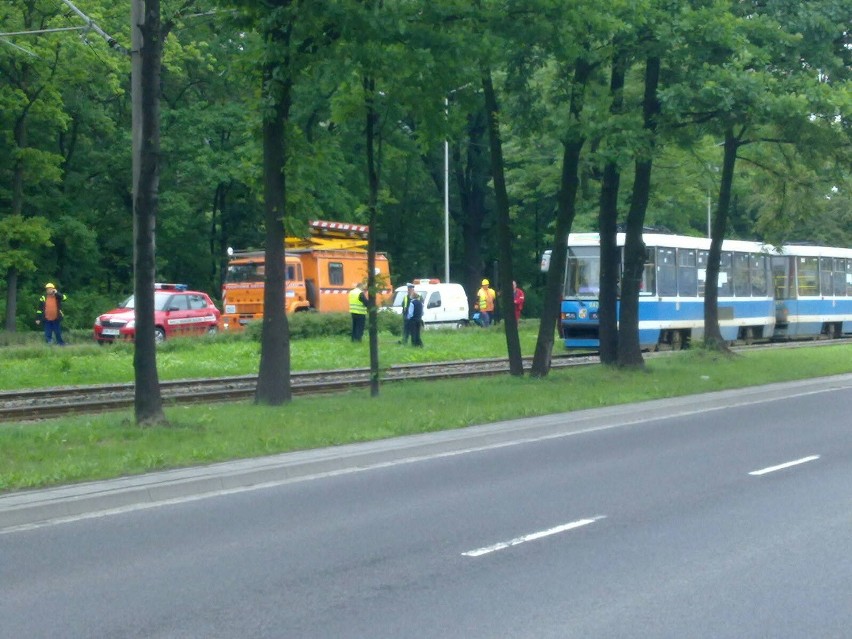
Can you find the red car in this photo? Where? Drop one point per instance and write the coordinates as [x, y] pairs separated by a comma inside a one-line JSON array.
[[177, 312]]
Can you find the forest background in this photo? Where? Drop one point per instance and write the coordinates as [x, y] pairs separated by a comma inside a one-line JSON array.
[[777, 73]]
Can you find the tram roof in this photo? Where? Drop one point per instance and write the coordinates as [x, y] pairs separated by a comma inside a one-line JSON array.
[[806, 250], [674, 241]]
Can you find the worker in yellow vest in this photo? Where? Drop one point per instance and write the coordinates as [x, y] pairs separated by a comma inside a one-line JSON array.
[[358, 303], [485, 303]]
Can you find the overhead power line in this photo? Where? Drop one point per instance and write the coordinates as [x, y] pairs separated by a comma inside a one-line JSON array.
[[89, 26], [112, 42]]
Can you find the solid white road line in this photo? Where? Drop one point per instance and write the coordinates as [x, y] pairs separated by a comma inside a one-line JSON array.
[[531, 537], [772, 469]]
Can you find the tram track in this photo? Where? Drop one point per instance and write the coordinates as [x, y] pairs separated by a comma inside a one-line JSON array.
[[43, 403], [34, 404]]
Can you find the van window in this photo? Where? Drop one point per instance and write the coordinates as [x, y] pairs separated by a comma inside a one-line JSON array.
[[434, 300]]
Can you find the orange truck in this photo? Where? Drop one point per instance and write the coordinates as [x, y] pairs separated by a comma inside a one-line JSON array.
[[320, 271]]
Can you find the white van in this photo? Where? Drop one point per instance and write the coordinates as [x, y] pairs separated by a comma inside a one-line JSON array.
[[443, 304]]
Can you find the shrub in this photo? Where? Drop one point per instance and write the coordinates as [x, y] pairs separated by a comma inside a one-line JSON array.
[[306, 325]]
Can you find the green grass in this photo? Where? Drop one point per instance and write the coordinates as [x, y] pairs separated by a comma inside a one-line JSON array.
[[37, 365], [96, 447]]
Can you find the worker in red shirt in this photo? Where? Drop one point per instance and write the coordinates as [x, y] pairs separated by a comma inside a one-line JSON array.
[[519, 298]]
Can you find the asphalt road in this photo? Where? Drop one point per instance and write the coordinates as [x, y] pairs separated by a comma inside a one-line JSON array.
[[724, 516]]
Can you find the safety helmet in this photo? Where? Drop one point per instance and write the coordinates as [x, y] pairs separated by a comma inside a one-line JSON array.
[[49, 285], [485, 282]]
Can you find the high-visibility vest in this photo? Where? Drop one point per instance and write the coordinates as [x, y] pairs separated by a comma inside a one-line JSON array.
[[486, 300], [356, 306]]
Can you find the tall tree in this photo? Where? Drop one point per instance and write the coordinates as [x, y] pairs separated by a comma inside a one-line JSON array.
[[504, 225], [148, 404], [629, 351], [573, 142]]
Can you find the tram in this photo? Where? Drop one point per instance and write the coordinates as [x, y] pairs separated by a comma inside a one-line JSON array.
[[671, 297], [813, 291]]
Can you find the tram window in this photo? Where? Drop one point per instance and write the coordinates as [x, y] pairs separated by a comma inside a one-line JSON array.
[[826, 275], [759, 285], [849, 278], [583, 272], [701, 262], [839, 276], [666, 272], [807, 281], [725, 288], [648, 284], [335, 273], [782, 276], [741, 268], [687, 273]]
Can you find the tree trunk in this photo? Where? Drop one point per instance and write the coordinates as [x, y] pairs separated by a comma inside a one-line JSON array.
[[504, 230], [273, 380], [712, 334], [17, 206], [12, 298], [471, 174], [608, 228], [148, 403], [372, 205], [566, 210], [629, 349]]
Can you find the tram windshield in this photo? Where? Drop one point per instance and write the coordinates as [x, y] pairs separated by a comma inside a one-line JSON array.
[[584, 272]]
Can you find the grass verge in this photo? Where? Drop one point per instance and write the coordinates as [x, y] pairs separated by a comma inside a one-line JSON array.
[[84, 448]]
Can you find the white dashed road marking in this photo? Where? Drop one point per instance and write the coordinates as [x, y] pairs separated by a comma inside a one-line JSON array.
[[531, 537], [772, 469]]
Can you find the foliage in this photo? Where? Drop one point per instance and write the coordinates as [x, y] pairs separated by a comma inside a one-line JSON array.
[[787, 62]]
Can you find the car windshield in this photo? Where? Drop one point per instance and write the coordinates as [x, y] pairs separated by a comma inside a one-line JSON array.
[[160, 301]]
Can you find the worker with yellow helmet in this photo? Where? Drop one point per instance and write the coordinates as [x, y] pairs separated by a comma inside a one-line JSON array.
[[485, 297], [49, 314]]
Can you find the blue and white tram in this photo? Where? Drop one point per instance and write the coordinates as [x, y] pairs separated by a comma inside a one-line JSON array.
[[671, 299], [813, 291]]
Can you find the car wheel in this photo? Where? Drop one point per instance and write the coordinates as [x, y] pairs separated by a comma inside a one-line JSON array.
[[159, 335], [212, 330]]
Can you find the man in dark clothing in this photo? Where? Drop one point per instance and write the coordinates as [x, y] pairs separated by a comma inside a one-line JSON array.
[[49, 313], [414, 319]]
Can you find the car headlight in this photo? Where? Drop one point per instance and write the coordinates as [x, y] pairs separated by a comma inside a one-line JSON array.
[[97, 321], [130, 324]]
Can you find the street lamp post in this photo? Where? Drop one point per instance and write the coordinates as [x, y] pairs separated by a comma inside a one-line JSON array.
[[447, 198]]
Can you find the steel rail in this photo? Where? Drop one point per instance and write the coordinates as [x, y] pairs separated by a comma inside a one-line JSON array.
[[34, 404]]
